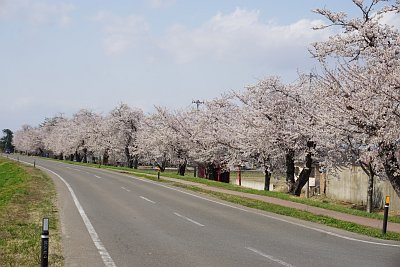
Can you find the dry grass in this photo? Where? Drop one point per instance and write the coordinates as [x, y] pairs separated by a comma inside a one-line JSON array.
[[26, 196]]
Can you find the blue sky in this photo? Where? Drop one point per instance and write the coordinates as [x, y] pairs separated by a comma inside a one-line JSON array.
[[61, 56]]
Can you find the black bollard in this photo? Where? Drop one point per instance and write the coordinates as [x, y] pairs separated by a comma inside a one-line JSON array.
[[385, 214], [45, 243]]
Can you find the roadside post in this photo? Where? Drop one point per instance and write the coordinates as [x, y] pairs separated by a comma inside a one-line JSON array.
[[45, 243], [158, 173], [34, 164], [385, 214]]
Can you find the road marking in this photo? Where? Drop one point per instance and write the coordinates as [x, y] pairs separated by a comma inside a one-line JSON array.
[[145, 198], [105, 256], [270, 257], [97, 176], [127, 190], [188, 219]]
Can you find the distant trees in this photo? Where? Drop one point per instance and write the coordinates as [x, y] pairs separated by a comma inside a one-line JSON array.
[[6, 142]]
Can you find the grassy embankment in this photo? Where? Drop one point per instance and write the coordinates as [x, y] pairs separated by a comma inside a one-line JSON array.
[[26, 196], [368, 231]]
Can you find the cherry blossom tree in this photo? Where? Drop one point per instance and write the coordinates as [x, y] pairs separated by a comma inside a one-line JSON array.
[[161, 141], [277, 125], [28, 140], [126, 123], [360, 85]]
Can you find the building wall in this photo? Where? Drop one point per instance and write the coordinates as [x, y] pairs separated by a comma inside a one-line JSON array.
[[350, 184]]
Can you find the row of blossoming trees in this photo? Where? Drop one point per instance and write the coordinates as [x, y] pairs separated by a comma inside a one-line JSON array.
[[348, 113]]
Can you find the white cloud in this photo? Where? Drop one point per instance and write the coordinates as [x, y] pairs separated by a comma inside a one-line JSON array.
[[121, 33], [240, 36], [36, 12]]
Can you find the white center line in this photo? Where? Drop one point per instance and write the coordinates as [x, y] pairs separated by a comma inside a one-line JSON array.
[[145, 198], [97, 176], [270, 257], [188, 219], [127, 190]]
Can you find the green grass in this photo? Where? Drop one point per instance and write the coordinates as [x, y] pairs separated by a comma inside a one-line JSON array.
[[26, 196], [321, 203]]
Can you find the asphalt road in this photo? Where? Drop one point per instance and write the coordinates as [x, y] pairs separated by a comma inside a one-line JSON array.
[[118, 220]]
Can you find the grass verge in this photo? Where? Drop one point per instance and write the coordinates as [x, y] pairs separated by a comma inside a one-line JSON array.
[[26, 196]]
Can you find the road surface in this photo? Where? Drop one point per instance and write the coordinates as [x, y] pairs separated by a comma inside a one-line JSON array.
[[113, 219]]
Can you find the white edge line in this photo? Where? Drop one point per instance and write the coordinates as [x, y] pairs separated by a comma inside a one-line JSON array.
[[188, 219], [270, 257], [127, 190], [145, 198], [97, 176], [108, 261]]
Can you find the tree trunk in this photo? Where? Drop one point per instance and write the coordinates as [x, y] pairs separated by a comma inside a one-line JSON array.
[[135, 162], [211, 172], [267, 176], [303, 177], [392, 166], [290, 170], [77, 157], [368, 169], [105, 157], [182, 168], [370, 192], [128, 158], [84, 155]]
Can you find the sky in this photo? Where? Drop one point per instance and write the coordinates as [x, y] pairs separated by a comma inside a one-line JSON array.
[[59, 56]]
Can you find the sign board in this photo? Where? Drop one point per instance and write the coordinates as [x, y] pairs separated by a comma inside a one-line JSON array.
[[311, 182]]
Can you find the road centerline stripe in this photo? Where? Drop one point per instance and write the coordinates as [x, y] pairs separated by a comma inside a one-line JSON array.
[[97, 176], [281, 262], [145, 198], [127, 190], [188, 219]]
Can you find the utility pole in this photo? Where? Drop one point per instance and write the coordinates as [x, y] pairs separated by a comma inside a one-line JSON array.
[[311, 75], [197, 102]]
